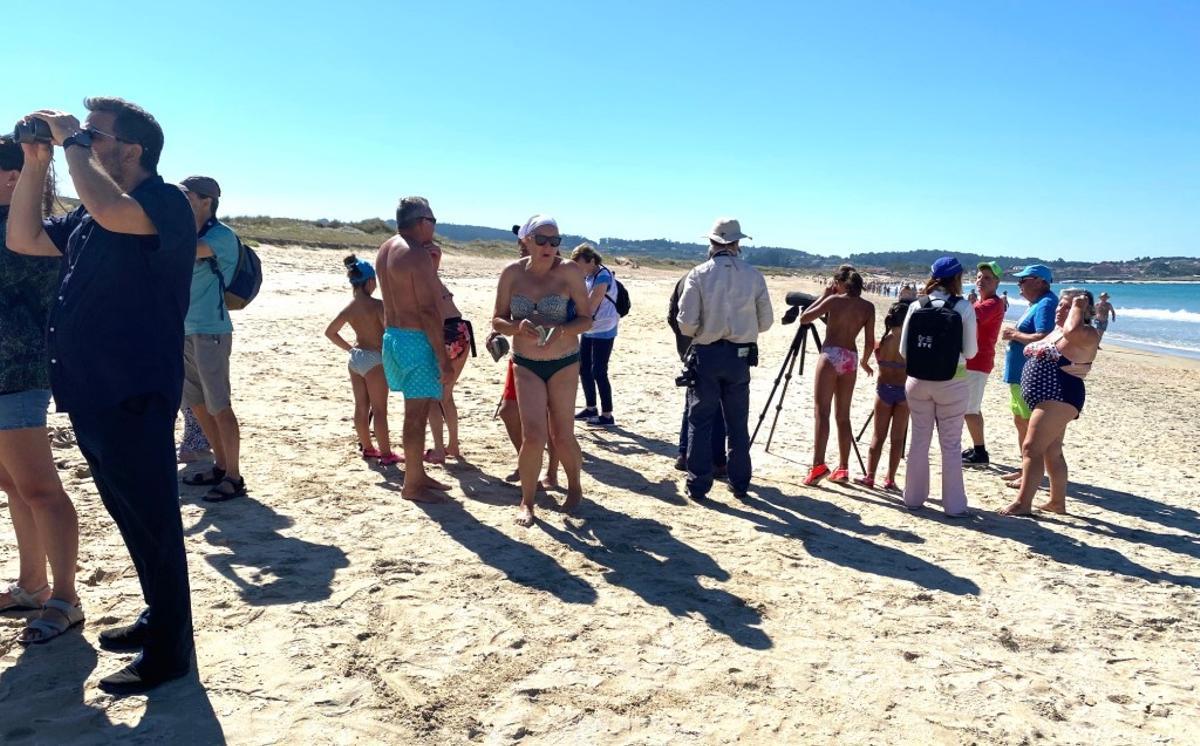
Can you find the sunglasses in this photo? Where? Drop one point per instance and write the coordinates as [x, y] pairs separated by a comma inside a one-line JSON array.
[[1024, 280], [94, 133], [543, 240], [432, 220]]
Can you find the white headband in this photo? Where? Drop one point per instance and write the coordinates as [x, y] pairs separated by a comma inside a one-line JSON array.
[[535, 222]]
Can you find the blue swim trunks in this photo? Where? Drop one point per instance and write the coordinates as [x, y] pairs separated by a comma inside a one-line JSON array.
[[410, 365]]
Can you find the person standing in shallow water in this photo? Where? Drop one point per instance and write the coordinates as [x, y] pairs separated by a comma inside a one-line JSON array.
[[414, 353], [532, 306]]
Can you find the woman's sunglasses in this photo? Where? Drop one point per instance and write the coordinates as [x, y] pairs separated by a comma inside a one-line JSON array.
[[543, 240]]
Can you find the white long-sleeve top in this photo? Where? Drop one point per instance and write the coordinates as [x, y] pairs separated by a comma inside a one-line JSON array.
[[724, 299], [970, 332]]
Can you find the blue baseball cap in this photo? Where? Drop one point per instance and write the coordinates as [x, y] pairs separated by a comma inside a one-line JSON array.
[[365, 272], [1036, 270], [945, 267]]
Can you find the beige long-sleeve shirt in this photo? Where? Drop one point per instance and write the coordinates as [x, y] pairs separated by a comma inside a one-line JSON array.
[[724, 299]]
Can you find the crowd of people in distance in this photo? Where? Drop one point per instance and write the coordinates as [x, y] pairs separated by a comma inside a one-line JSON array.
[[120, 311]]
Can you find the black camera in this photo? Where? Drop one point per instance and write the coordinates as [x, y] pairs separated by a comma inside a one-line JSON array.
[[687, 377], [31, 131], [798, 302]]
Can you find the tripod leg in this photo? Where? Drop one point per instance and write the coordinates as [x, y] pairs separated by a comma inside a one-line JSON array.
[[779, 406], [866, 424], [788, 361]]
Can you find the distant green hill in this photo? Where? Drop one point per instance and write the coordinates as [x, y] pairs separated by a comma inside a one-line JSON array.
[[373, 231]]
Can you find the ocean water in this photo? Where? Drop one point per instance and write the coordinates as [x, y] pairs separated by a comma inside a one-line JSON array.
[[1164, 317]]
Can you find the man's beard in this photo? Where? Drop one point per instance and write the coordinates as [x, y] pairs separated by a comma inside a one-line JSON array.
[[114, 167]]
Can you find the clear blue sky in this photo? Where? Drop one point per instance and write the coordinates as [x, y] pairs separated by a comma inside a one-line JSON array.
[[1059, 129]]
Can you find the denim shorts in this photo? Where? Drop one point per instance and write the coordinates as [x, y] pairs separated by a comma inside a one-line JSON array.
[[24, 409]]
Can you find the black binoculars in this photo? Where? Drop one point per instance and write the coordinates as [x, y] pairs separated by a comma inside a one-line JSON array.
[[31, 131]]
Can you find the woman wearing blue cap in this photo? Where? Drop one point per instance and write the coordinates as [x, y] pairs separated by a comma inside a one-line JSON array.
[[938, 336], [364, 314]]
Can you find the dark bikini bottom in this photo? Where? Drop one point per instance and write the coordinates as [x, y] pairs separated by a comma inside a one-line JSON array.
[[544, 369]]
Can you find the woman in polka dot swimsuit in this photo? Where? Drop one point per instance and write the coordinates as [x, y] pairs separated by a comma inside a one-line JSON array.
[[1052, 386]]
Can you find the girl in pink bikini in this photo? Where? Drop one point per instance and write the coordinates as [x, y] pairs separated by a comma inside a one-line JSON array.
[[837, 367]]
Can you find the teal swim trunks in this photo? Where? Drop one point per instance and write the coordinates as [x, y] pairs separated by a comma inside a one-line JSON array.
[[409, 364]]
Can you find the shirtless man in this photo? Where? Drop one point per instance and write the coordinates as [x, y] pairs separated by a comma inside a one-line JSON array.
[[837, 367], [414, 352], [1104, 309]]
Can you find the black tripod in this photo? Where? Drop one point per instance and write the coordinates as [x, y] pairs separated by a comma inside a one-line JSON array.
[[798, 348]]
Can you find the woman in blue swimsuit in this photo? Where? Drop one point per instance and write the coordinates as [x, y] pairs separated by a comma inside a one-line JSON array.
[[534, 306], [1052, 386]]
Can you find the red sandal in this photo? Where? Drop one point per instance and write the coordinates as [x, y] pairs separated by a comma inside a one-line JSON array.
[[818, 472]]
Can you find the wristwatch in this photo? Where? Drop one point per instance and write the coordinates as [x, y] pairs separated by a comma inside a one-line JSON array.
[[83, 138]]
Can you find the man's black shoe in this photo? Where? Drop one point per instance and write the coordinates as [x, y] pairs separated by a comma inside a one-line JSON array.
[[122, 639], [131, 680], [976, 457], [721, 473], [681, 463]]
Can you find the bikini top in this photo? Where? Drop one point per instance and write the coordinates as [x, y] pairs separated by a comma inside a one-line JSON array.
[[888, 363], [552, 308], [1048, 348]]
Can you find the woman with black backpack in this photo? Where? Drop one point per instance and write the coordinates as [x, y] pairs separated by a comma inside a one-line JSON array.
[[938, 336]]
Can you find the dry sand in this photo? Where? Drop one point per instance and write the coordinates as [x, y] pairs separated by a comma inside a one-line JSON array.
[[328, 610]]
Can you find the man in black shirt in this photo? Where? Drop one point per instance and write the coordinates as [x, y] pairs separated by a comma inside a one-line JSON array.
[[116, 351]]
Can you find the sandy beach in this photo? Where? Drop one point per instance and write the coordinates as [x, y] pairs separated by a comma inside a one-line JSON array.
[[330, 611]]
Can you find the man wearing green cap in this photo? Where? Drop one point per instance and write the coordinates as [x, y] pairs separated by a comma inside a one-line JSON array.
[[989, 315]]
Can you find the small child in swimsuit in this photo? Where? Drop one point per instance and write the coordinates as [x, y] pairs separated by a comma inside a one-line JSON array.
[[364, 314], [891, 403]]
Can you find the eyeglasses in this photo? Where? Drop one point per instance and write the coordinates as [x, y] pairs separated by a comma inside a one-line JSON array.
[[1024, 280], [432, 220], [94, 133], [554, 241]]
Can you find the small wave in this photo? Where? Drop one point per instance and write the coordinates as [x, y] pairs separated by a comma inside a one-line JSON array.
[[1160, 314]]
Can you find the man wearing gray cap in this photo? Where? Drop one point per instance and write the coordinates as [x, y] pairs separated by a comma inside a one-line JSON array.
[[414, 353], [208, 343], [723, 308]]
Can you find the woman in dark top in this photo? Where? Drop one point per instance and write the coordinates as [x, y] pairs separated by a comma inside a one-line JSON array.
[[43, 517]]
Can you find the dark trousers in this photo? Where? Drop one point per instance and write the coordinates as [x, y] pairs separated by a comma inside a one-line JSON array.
[[718, 436], [131, 451], [722, 385], [593, 371]]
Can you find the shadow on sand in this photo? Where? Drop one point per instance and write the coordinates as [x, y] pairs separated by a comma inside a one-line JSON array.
[[43, 702], [282, 569], [520, 562], [773, 512], [642, 555], [1039, 534]]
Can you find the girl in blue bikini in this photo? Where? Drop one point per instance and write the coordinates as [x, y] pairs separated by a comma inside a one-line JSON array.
[[891, 403], [533, 303]]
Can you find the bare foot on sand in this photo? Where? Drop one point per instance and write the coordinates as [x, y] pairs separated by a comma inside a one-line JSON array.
[[572, 502], [430, 483], [525, 516], [423, 495], [549, 482], [1052, 507], [1016, 508], [1013, 477], [453, 451]]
